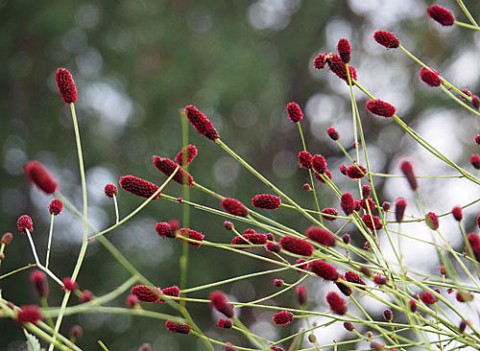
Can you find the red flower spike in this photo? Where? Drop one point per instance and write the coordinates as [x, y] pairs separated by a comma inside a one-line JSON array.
[[368, 204], [86, 296], [407, 169], [475, 161], [319, 163], [344, 289], [320, 60], [250, 239], [138, 186], [266, 201], [29, 314], [380, 279], [333, 134], [477, 139], [320, 235], [273, 247], [201, 123], [191, 234], [346, 238], [431, 219], [430, 77], [168, 166], [110, 190], [282, 318], [387, 39], [278, 283], [66, 85], [301, 293], [343, 169], [186, 155], [131, 301], [323, 270], [294, 112], [165, 230], [305, 159], [39, 281], [224, 323], [296, 245], [413, 305], [474, 241], [39, 175], [380, 108], [366, 191], [301, 263], [24, 223], [69, 284], [336, 303], [145, 293], [234, 207], [329, 214], [55, 207], [220, 302], [427, 298], [441, 15], [457, 213], [6, 238], [276, 348], [356, 172], [349, 326], [347, 203], [178, 328], [475, 101], [400, 206], [171, 291], [344, 49], [353, 277], [336, 65]]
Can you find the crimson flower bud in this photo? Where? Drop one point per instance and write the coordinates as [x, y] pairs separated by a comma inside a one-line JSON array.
[[413, 305], [164, 229], [329, 214], [186, 155], [29, 314], [431, 219], [273, 247], [229, 347], [6, 238], [475, 101], [380, 279], [320, 60], [86, 296], [24, 223], [76, 332], [428, 298], [145, 347], [441, 15], [387, 39], [266, 201], [305, 159], [388, 315], [356, 172], [234, 207], [294, 112], [347, 203], [145, 293], [407, 169], [319, 163], [333, 134], [296, 245], [336, 303], [463, 325], [138, 186], [321, 235], [190, 234], [380, 108], [55, 207], [219, 301], [475, 161], [302, 295], [477, 139], [353, 277], [66, 85], [430, 77], [400, 206], [168, 166], [344, 49], [349, 326], [282, 318], [346, 238], [366, 191], [178, 328], [346, 290], [323, 270], [336, 65], [69, 284], [278, 283], [39, 175], [224, 323], [457, 213], [464, 296], [40, 283], [201, 123], [131, 300], [386, 206], [110, 190], [474, 241]]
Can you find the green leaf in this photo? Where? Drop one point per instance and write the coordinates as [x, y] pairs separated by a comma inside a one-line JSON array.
[[33, 344]]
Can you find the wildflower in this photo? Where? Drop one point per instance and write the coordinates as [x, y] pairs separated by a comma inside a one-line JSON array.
[[365, 270], [321, 235], [387, 39], [336, 65], [336, 303], [24, 223], [347, 203], [171, 291], [400, 206], [186, 155], [385, 206], [474, 241], [333, 134], [55, 207], [377, 346], [6, 239], [278, 283], [234, 207], [296, 245], [69, 284], [66, 85], [477, 139], [329, 214], [464, 296], [86, 296], [320, 60], [138, 186], [282, 318], [441, 15], [321, 177], [457, 213], [178, 328], [346, 238], [353, 277], [250, 239], [220, 302], [407, 169], [131, 301], [475, 101], [40, 283], [301, 263], [388, 315], [168, 166], [224, 323], [229, 347], [110, 190], [380, 279], [324, 270], [29, 314], [301, 294], [475, 161], [345, 290], [431, 219], [76, 332], [273, 247], [305, 159], [366, 191], [228, 225], [145, 293], [201, 123], [349, 326], [430, 77], [344, 49], [266, 201], [319, 163], [413, 305], [294, 112], [380, 108], [356, 172], [190, 234], [368, 204], [343, 169], [164, 229], [39, 175], [463, 325], [428, 298]]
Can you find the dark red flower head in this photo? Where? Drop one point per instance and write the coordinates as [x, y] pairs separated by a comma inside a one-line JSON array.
[[145, 293], [266, 201], [66, 85], [344, 49], [250, 239], [323, 270], [407, 169], [302, 295], [333, 134], [336, 65], [387, 39], [329, 214], [201, 123], [305, 159], [400, 206], [171, 291], [178, 328], [477, 139], [39, 175], [296, 245], [131, 300], [347, 202], [380, 108], [168, 166], [40, 283], [234, 207], [190, 234], [431, 219], [430, 77], [353, 277], [165, 230], [320, 60], [321, 235], [224, 323], [69, 284], [441, 15], [336, 303], [474, 241], [282, 318], [24, 223], [55, 207], [475, 101], [356, 172], [475, 161], [29, 314], [138, 186], [219, 301], [428, 298], [86, 296], [319, 163], [294, 112], [372, 222], [110, 190], [366, 191], [380, 279], [186, 155]]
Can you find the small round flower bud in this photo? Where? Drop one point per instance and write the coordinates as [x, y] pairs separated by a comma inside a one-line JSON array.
[[234, 207], [164, 229], [278, 283], [178, 328], [86, 296], [168, 166], [430, 77], [477, 139], [336, 303], [475, 161], [55, 207], [305, 159], [386, 206], [346, 238], [476, 101], [24, 223], [266, 201], [6, 238], [372, 222], [347, 203], [379, 279], [388, 315], [131, 300], [356, 172], [336, 66], [413, 305], [273, 247], [344, 50], [29, 314], [76, 332], [366, 191], [457, 213], [319, 163], [321, 235], [329, 214], [302, 295], [333, 134], [400, 206], [228, 225], [69, 284], [387, 39], [110, 190], [428, 298], [40, 283], [349, 326], [294, 112], [441, 15], [443, 270], [145, 293], [282, 318], [190, 234], [224, 323], [380, 108]]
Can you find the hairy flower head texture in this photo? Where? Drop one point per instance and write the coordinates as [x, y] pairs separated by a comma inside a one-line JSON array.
[[380, 279], [138, 186], [428, 298], [24, 223], [474, 241], [165, 230], [319, 163], [457, 213], [336, 65], [190, 234], [324, 270], [356, 172], [329, 214], [441, 15], [380, 108], [282, 318], [320, 61], [400, 206], [266, 201], [336, 303], [430, 77], [321, 235], [344, 289], [146, 293], [333, 134], [219, 301], [250, 239], [55, 207], [69, 284], [296, 245], [353, 277], [347, 203], [224, 323], [407, 169], [234, 207], [29, 314], [39, 175], [178, 328], [66, 85], [344, 49], [387, 39], [201, 123], [110, 190], [294, 112], [168, 166], [305, 159], [186, 155]]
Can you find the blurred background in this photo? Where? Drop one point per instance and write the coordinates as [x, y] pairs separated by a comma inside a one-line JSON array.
[[136, 63]]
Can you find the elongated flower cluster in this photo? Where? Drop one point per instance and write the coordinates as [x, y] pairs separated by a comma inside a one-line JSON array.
[[178, 328], [380, 108], [66, 85], [347, 203], [219, 301], [234, 207], [407, 169], [400, 206], [372, 222], [336, 303], [39, 175], [324, 270], [321, 235], [40, 283], [266, 201], [165, 230], [356, 172], [190, 234], [168, 166], [430, 77], [474, 241], [296, 245], [201, 123], [441, 15], [250, 239], [344, 49], [282, 318], [329, 214], [387, 39], [138, 186], [146, 293], [186, 155], [337, 66], [294, 112]]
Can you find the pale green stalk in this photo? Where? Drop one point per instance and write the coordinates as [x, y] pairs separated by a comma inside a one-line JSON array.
[[49, 245]]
